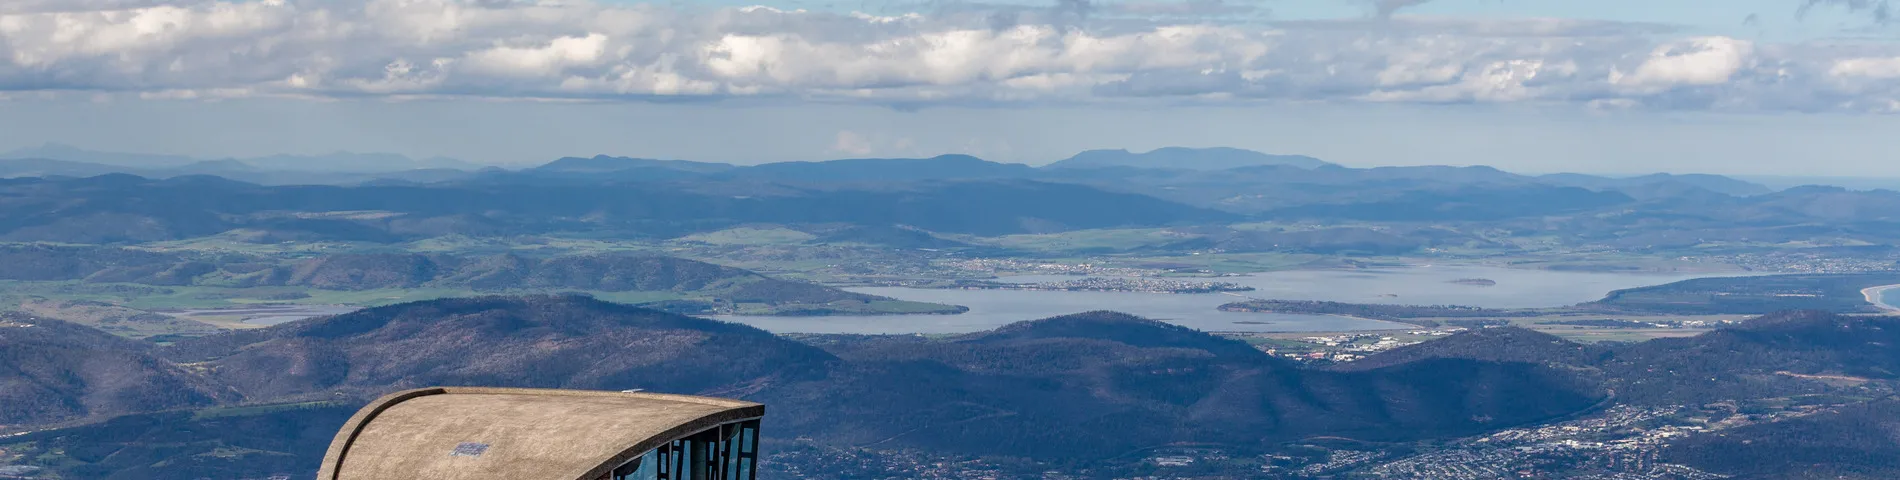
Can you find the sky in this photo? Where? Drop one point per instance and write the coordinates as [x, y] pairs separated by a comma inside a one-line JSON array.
[[1758, 87]]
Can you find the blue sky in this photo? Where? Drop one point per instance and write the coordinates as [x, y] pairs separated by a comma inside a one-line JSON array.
[[1773, 19], [1604, 86]]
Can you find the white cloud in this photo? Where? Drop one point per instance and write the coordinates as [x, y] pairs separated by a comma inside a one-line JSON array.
[[852, 143], [47, 6], [1874, 68], [1695, 62], [549, 59], [1504, 81], [573, 49]]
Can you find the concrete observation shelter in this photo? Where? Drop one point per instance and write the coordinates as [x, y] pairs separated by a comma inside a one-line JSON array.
[[469, 433]]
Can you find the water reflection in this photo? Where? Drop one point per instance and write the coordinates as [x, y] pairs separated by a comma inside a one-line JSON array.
[[1418, 285]]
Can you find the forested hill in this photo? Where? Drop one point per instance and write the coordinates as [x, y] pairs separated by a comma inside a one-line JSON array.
[[696, 284], [534, 341], [1064, 388], [52, 371], [1839, 293], [1775, 355]]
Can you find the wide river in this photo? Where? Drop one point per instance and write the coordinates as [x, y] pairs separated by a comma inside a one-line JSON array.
[[1425, 285]]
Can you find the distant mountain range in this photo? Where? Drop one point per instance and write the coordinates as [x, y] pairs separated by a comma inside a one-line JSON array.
[[951, 194], [1713, 183], [1236, 181], [339, 162], [230, 169], [1181, 158], [607, 164], [1185, 165]]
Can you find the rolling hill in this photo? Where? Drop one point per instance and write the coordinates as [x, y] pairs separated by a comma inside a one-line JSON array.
[[1075, 388], [1775, 355], [1713, 183], [1786, 353], [536, 341], [1852, 442], [53, 371], [1471, 203], [696, 286], [1755, 295], [260, 441]]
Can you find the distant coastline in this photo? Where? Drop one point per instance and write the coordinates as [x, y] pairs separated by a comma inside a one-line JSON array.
[[1875, 296]]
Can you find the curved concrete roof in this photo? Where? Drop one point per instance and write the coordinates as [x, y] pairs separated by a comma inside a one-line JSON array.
[[468, 433]]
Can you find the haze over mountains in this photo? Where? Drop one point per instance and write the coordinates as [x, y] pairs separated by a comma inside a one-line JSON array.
[[339, 162], [343, 168], [1219, 177], [340, 168], [943, 196], [1180, 158], [1230, 180]]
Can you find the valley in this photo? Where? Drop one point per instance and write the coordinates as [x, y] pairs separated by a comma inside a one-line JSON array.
[[952, 317], [895, 284], [962, 240], [1478, 402]]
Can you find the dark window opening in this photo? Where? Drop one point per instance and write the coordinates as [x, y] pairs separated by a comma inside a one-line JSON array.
[[726, 452]]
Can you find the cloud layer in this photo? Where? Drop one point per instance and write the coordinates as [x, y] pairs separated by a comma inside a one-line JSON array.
[[577, 50]]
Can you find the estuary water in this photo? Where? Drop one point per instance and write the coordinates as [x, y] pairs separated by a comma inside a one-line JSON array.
[[1422, 285], [1888, 298]]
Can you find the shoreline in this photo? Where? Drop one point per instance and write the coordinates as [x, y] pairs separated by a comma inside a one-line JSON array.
[[1399, 325], [1873, 296]]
